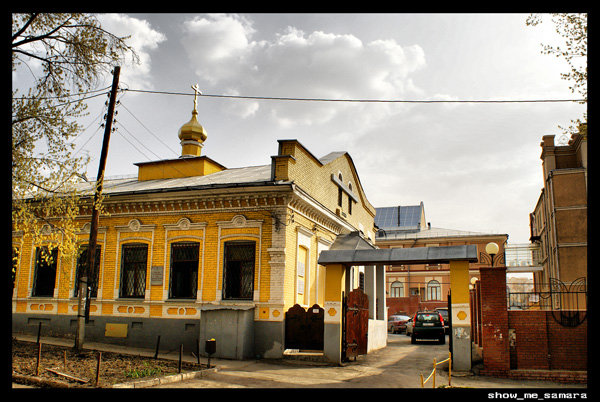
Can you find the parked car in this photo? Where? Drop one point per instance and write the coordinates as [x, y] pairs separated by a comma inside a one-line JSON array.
[[397, 323], [409, 327], [444, 312], [428, 325]]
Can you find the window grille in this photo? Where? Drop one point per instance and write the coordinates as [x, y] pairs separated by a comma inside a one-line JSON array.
[[238, 272], [45, 272], [82, 261], [133, 270], [184, 270]]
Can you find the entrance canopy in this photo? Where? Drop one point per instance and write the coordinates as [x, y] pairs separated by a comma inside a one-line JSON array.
[[395, 256]]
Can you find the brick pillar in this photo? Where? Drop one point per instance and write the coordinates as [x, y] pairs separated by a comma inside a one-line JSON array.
[[494, 317], [478, 304]]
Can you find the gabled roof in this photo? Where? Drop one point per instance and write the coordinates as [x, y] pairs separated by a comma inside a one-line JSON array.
[[331, 156]]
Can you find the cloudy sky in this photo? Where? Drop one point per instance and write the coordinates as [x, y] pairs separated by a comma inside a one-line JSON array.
[[475, 166]]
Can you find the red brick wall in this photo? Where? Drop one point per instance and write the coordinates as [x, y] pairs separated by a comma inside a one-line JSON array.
[[531, 339], [410, 305], [540, 342]]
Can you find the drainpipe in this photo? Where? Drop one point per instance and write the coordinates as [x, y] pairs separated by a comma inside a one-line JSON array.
[[555, 235]]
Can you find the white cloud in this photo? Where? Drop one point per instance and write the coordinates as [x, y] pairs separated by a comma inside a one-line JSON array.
[[143, 39], [217, 45], [296, 64]]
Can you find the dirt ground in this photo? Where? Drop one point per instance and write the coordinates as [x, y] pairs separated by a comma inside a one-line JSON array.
[[114, 368]]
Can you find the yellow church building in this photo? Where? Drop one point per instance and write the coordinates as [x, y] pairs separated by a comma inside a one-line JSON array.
[[191, 250]]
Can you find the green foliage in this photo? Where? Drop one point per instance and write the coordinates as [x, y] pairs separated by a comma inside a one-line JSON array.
[[573, 29], [66, 55], [144, 372]]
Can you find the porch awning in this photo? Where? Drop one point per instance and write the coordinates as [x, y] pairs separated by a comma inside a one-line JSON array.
[[397, 256]]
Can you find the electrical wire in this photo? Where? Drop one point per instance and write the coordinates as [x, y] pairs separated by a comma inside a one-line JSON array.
[[357, 100], [63, 96], [147, 129]]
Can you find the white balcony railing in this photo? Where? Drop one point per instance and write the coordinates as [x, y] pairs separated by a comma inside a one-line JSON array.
[[522, 255]]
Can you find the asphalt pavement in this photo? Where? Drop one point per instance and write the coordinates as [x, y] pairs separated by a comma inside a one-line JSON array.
[[399, 365]]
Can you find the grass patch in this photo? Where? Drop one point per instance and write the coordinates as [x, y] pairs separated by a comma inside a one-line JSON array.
[[144, 372]]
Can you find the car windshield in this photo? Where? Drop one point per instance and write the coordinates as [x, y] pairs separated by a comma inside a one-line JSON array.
[[428, 317], [398, 318]]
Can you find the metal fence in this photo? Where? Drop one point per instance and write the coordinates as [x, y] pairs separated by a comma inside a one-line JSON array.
[[566, 301], [554, 295]]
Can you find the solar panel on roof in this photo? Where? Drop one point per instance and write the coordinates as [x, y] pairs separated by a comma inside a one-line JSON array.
[[393, 217], [386, 217]]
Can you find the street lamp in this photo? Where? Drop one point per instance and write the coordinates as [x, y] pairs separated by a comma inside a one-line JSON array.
[[492, 249]]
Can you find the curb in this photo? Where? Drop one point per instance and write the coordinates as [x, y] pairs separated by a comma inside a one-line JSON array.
[[42, 382], [165, 380]]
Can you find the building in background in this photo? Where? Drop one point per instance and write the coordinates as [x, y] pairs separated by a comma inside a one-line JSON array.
[[423, 286], [558, 222]]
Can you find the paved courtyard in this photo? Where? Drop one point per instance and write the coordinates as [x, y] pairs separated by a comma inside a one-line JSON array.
[[396, 366]]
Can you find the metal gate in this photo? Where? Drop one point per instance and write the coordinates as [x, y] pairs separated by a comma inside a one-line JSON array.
[[355, 325], [450, 322], [304, 328]]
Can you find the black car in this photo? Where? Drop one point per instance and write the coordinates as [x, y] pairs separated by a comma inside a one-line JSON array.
[[428, 325], [444, 312]]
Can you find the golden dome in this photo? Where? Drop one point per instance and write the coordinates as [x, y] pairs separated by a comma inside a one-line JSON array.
[[192, 130]]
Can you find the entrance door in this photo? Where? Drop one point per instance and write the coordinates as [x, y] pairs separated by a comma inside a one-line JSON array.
[[356, 324], [304, 329]]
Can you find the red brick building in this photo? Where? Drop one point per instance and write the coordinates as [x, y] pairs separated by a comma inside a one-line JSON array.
[[414, 287]]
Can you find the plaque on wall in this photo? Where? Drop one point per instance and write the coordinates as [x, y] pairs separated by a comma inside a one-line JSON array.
[[156, 275]]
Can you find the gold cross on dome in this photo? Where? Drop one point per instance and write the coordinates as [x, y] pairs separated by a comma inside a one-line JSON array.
[[196, 93]]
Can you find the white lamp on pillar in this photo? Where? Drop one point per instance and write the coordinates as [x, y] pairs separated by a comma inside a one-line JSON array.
[[492, 249]]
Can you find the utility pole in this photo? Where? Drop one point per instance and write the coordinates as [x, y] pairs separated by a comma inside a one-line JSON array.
[[83, 306]]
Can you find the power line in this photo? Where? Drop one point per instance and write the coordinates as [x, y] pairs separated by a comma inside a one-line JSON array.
[[62, 96], [60, 104], [358, 100], [147, 129]]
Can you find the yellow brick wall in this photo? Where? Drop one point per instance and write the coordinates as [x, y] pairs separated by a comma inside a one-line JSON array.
[[290, 296], [314, 178], [211, 230], [152, 232]]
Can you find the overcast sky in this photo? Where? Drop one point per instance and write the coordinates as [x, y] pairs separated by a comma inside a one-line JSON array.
[[476, 167]]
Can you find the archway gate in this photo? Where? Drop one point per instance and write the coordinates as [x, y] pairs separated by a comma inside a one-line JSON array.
[[337, 261]]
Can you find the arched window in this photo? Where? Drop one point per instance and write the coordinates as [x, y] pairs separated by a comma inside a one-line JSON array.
[[184, 270], [238, 271], [82, 260], [434, 290], [134, 263], [349, 199], [340, 190], [397, 289]]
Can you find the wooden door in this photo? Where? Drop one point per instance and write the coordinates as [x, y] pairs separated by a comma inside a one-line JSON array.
[[356, 323]]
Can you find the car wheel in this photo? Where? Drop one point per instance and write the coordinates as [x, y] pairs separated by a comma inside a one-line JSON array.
[[413, 340], [442, 339]]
